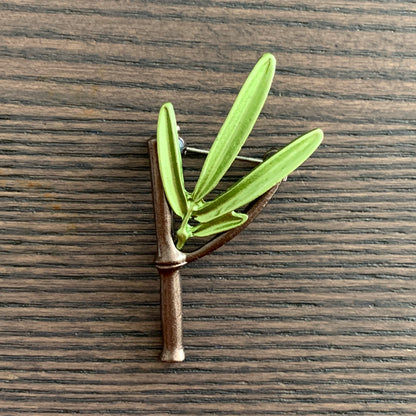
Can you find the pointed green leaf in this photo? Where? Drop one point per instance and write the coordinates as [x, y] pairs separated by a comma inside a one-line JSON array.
[[218, 225], [170, 160], [237, 126], [262, 178]]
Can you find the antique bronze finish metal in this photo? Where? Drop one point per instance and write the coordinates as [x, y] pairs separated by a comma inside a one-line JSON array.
[[169, 259]]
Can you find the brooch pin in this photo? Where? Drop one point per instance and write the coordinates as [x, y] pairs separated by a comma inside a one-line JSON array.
[[218, 217]]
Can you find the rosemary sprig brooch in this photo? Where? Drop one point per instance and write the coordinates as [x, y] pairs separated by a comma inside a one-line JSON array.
[[219, 217]]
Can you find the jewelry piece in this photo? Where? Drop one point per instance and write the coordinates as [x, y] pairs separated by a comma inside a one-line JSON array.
[[218, 217]]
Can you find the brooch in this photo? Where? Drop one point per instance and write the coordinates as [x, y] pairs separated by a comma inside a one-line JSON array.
[[224, 216]]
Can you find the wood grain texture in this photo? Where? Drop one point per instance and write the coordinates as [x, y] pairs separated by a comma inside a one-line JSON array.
[[310, 311]]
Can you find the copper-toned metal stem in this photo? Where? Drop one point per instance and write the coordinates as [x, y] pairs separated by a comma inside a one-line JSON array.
[[171, 314], [168, 261]]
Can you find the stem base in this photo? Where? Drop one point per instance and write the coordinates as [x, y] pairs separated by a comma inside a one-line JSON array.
[[173, 356]]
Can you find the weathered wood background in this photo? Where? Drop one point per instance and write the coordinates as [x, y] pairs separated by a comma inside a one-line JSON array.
[[311, 311]]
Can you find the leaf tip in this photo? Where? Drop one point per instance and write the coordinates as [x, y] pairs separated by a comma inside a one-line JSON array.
[[167, 107], [320, 133], [319, 136], [270, 60], [269, 57]]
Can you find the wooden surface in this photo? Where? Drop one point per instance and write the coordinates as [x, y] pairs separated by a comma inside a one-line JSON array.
[[311, 311]]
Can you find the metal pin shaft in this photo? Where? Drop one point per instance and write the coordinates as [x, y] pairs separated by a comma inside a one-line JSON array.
[[205, 152]]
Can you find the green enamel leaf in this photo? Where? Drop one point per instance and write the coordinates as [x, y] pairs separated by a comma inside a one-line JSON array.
[[170, 160], [262, 178], [237, 126], [218, 225]]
